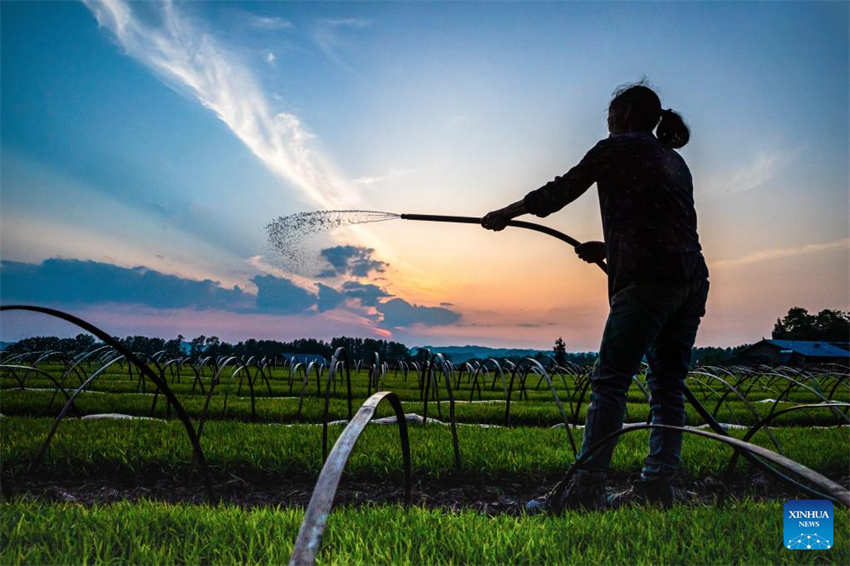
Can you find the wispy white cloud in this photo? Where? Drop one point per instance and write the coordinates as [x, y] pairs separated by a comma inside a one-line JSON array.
[[356, 23], [761, 170], [191, 61], [377, 179], [327, 33], [271, 23], [781, 253], [270, 57], [763, 167]]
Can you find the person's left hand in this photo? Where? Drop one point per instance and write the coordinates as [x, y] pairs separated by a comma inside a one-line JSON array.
[[591, 252], [495, 220]]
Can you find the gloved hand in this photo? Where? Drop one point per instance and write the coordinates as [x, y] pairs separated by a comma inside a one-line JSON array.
[[591, 252]]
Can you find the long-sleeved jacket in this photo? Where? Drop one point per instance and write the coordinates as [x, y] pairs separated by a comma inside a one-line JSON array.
[[646, 198]]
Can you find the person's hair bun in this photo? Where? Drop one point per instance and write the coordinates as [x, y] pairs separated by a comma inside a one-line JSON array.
[[671, 130]]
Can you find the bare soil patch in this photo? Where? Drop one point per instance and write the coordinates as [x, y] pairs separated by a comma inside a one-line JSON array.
[[496, 498]]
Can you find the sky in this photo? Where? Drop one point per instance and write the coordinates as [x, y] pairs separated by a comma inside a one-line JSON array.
[[145, 147]]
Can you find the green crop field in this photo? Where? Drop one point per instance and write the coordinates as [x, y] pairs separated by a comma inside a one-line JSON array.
[[160, 533], [126, 488]]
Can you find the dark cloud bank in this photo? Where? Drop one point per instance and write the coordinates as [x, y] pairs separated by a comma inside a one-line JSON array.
[[398, 312], [351, 260], [71, 281], [76, 282]]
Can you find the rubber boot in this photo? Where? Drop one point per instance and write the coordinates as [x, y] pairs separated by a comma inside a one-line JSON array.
[[652, 491], [582, 491]]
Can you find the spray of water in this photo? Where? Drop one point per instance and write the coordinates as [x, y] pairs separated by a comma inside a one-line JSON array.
[[286, 233]]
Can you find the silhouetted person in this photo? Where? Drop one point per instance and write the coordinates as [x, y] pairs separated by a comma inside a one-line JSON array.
[[657, 285]]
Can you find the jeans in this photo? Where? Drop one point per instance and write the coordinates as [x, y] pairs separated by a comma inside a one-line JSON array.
[[659, 321]]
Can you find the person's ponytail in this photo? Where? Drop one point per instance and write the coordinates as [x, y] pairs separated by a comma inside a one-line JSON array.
[[672, 131]]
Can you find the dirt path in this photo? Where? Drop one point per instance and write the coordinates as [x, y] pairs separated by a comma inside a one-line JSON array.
[[500, 497]]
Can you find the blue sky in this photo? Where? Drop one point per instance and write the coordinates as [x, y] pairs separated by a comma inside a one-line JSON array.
[[167, 135]]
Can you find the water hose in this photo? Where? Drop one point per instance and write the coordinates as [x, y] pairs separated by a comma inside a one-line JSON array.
[[712, 422], [515, 223]]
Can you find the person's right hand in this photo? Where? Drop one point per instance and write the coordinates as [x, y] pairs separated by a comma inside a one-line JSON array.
[[591, 252], [496, 220]]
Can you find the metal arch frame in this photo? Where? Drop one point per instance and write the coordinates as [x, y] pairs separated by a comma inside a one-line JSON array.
[[47, 355], [161, 369], [309, 538], [304, 384], [510, 388], [335, 361], [166, 390], [501, 374], [833, 491], [80, 359], [214, 380], [68, 404], [427, 375], [244, 365], [56, 384], [747, 403], [772, 417], [443, 365], [537, 367]]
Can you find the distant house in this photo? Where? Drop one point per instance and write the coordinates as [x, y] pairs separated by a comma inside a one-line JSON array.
[[794, 353]]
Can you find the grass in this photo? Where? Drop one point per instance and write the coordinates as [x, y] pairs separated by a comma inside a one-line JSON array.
[[114, 391], [737, 531], [284, 410], [84, 448], [745, 532], [117, 381]]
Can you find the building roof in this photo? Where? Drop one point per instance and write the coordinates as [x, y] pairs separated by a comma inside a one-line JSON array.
[[811, 348]]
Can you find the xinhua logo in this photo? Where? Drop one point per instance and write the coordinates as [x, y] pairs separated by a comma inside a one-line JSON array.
[[808, 524]]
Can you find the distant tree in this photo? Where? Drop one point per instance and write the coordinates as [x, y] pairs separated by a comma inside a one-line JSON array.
[[364, 349], [585, 359], [34, 344], [833, 326], [211, 346], [174, 346], [142, 344], [560, 351], [397, 351], [83, 342], [712, 355], [798, 324], [421, 355], [197, 345]]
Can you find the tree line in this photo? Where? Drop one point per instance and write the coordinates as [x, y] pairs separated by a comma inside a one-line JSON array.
[[358, 348], [827, 325]]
